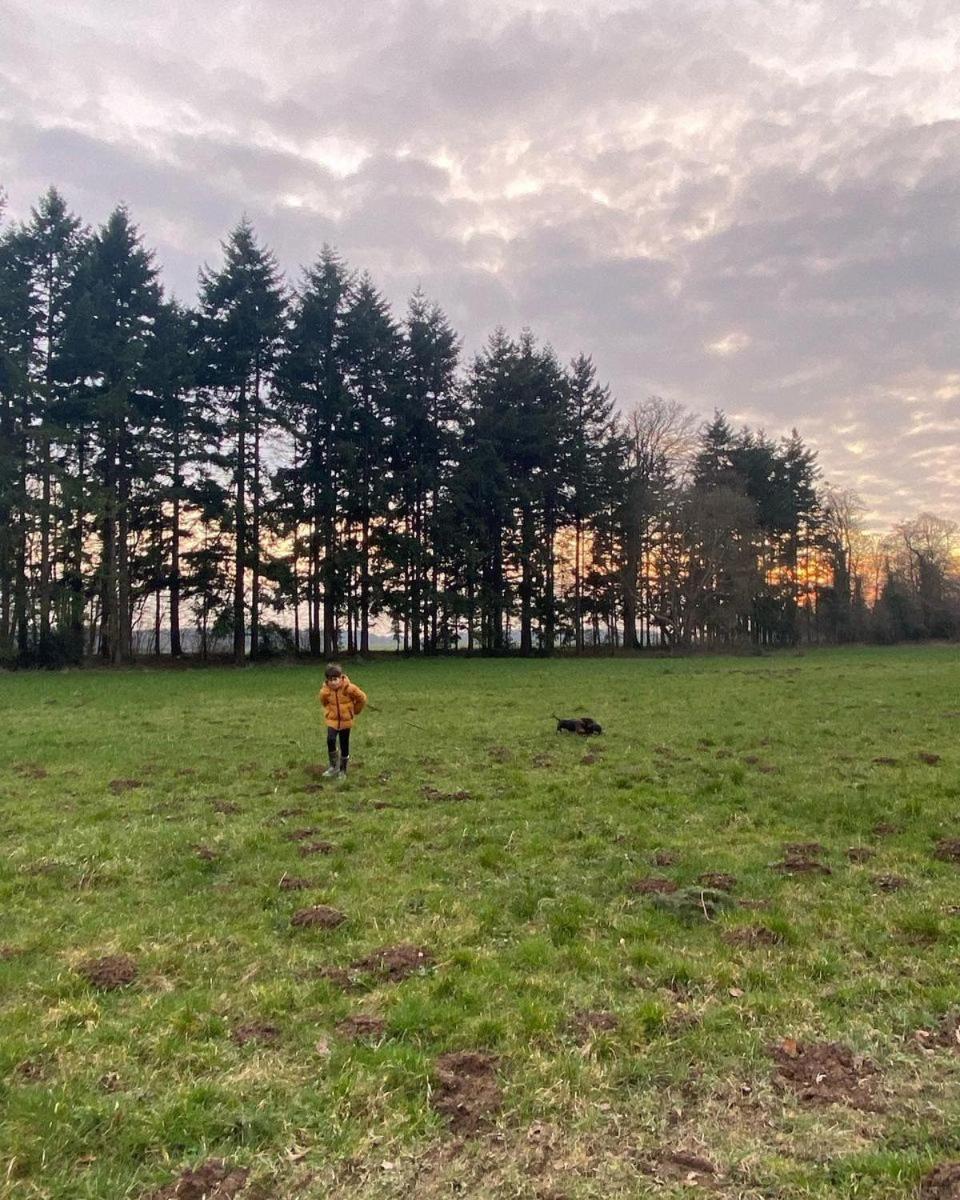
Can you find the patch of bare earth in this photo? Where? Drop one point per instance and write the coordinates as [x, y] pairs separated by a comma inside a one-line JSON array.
[[542, 761], [860, 854], [227, 807], [587, 1022], [884, 760], [299, 835], [339, 977], [948, 850], [466, 1093], [296, 811], [110, 972], [885, 829], [800, 864], [664, 858], [652, 885], [942, 1183], [291, 883], [9, 952], [30, 770], [307, 849], [719, 880], [211, 1180], [500, 754], [826, 1073], [432, 793], [206, 853], [394, 963], [889, 883], [925, 756], [119, 786], [752, 936], [946, 1036], [669, 1166], [318, 916], [362, 1027], [255, 1031]]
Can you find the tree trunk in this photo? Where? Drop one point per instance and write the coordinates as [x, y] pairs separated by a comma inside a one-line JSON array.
[[176, 648], [240, 522]]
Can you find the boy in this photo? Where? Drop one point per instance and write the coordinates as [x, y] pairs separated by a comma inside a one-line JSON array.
[[342, 702]]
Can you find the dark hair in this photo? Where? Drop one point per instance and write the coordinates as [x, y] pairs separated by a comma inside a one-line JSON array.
[[333, 671]]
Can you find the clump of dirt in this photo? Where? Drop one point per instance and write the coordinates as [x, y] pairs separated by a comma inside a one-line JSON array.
[[719, 880], [110, 972], [298, 811], [227, 807], [652, 885], [315, 770], [948, 850], [694, 903], [586, 1022], [320, 916], [380, 805], [395, 962], [361, 1026], [542, 760], [753, 935], [30, 1070], [926, 757], [291, 883], [309, 848], [8, 952], [589, 759], [884, 760], [826, 1073], [724, 753], [942, 1183], [889, 883], [664, 858], [433, 793], [211, 1180], [119, 786], [467, 1092], [255, 1031], [946, 1036], [338, 977], [885, 829], [298, 835], [206, 853], [30, 770], [109, 1082], [860, 854], [500, 754]]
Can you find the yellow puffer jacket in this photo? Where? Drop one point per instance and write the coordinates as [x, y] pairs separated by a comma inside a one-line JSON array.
[[342, 705]]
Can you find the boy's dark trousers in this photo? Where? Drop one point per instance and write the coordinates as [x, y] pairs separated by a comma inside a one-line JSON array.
[[344, 736]]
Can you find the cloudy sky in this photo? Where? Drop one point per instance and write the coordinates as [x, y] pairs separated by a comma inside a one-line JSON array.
[[746, 205]]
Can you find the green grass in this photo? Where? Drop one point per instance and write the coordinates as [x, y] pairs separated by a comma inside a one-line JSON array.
[[521, 892]]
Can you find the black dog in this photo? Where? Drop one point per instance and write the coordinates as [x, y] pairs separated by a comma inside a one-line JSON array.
[[585, 726]]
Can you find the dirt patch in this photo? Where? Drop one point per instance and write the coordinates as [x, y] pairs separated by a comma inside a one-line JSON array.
[[206, 853], [587, 1022], [500, 754], [926, 757], [889, 883], [380, 805], [948, 850], [664, 858], [432, 793], [362, 1027], [826, 1073], [466, 1092], [119, 786], [651, 885], [860, 854], [669, 1165], [299, 835], [30, 770], [211, 1180], [799, 864], [885, 829], [803, 849], [255, 1031], [589, 759], [9, 952], [339, 977], [318, 916], [946, 1036], [31, 1070], [309, 848], [942, 1183], [719, 880], [884, 760], [110, 972], [542, 761], [298, 811], [227, 807], [753, 935], [291, 883], [395, 962]]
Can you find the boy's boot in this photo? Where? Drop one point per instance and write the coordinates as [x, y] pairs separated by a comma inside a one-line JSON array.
[[343, 766], [334, 769]]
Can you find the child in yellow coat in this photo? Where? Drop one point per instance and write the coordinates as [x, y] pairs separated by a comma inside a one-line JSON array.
[[342, 703]]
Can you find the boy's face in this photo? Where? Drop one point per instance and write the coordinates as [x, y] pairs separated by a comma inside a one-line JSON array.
[[334, 681]]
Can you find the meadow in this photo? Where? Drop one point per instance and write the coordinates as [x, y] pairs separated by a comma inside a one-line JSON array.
[[712, 951]]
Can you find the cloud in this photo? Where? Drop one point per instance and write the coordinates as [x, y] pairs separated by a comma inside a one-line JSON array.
[[748, 204]]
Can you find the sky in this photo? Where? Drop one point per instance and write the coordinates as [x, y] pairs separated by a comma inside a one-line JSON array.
[[750, 206]]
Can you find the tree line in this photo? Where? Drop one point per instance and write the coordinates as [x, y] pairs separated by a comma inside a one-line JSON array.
[[292, 467]]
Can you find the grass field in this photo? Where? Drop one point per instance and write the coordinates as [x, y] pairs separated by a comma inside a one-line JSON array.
[[787, 1033]]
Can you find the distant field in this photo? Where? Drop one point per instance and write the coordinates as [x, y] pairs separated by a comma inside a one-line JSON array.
[[784, 1024]]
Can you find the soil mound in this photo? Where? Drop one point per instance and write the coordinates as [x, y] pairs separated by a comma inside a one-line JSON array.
[[467, 1092], [255, 1031], [395, 962], [110, 972], [826, 1073], [361, 1027], [942, 1183], [320, 916], [652, 885], [211, 1180]]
